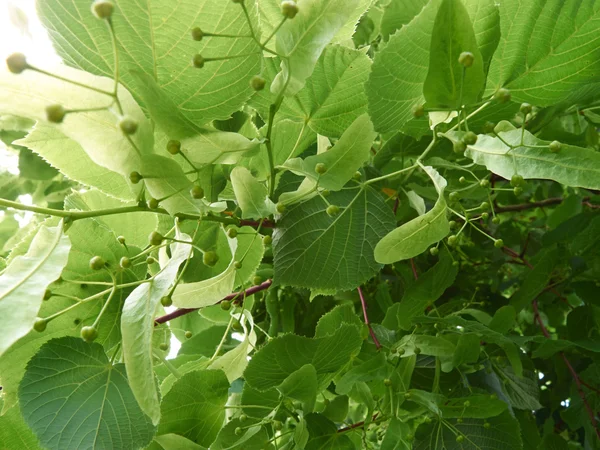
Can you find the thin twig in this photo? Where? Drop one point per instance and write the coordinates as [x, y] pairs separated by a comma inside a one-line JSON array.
[[414, 268], [183, 311], [367, 323], [356, 425]]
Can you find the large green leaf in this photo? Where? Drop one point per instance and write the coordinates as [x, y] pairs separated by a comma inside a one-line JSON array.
[[70, 158], [427, 289], [397, 14], [173, 442], [486, 23], [73, 397], [98, 133], [251, 194], [301, 41], [502, 433], [343, 159], [323, 435], [449, 84], [414, 237], [572, 166], [23, 283], [137, 327], [284, 355], [154, 38], [396, 436], [195, 406], [14, 433], [301, 385], [316, 251], [548, 50], [395, 84]]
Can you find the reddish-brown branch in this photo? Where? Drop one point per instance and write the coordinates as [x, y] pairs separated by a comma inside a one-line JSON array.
[[367, 323], [355, 425], [574, 374], [183, 311], [541, 204], [414, 269]]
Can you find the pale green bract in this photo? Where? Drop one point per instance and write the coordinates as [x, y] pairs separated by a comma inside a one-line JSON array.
[[251, 194], [154, 38], [23, 284], [79, 377], [137, 326], [414, 237], [302, 40]]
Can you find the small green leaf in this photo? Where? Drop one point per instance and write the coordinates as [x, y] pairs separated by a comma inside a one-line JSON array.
[[302, 40], [449, 84], [324, 436], [301, 385], [342, 160], [68, 376], [137, 327], [288, 353], [467, 349], [252, 195], [24, 282], [428, 345], [504, 319], [476, 406], [396, 436], [414, 237], [372, 369], [195, 406]]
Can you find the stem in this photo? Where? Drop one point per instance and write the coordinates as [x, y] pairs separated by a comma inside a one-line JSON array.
[[183, 311], [364, 308], [474, 113], [66, 80], [356, 425]]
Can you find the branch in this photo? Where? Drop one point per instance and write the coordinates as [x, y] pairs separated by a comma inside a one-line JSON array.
[[541, 204], [355, 425], [183, 311], [364, 308]]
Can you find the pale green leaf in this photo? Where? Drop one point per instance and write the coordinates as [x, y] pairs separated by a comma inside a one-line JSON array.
[[154, 38], [173, 442], [135, 227], [485, 16], [301, 385], [572, 166], [72, 396], [344, 36], [302, 40], [545, 55], [449, 84], [194, 407], [98, 133], [316, 251], [70, 158], [343, 159], [414, 237], [429, 345], [397, 14], [209, 291], [251, 195], [395, 436], [286, 354], [24, 282], [14, 433], [137, 327]]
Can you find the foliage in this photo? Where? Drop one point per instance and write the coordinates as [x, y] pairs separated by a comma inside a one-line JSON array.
[[322, 224]]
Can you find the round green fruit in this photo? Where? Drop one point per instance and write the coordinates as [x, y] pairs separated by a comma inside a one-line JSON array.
[[156, 238], [173, 147], [257, 280], [197, 192], [525, 108], [485, 206], [166, 301], [466, 59], [135, 177], [102, 9], [289, 9], [238, 431], [498, 243], [496, 220], [459, 147], [454, 196], [434, 251], [153, 203], [462, 180], [40, 325], [516, 180], [225, 305], [128, 126], [232, 233], [210, 258], [97, 263], [188, 334], [121, 240], [460, 439], [89, 334], [125, 262], [333, 210], [418, 111], [55, 113], [267, 240], [17, 63], [150, 260], [197, 34], [554, 146], [518, 190], [470, 138], [484, 183], [257, 83], [164, 347], [452, 240], [198, 61], [277, 425], [237, 264], [502, 95], [320, 168]]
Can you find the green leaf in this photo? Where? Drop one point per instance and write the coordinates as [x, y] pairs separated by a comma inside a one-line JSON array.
[[372, 369], [537, 38], [476, 406], [572, 166], [324, 436], [154, 38], [301, 41], [68, 376], [23, 283], [286, 354], [467, 349], [97, 132], [342, 160], [316, 251], [301, 385], [165, 180], [173, 442], [522, 391], [554, 442], [14, 433], [427, 289], [396, 436], [195, 406], [135, 227], [331, 321], [399, 70], [33, 166], [208, 292], [485, 15], [429, 345], [502, 433], [414, 237], [252, 195], [71, 159], [449, 84], [337, 409], [137, 327], [398, 14], [504, 319]]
